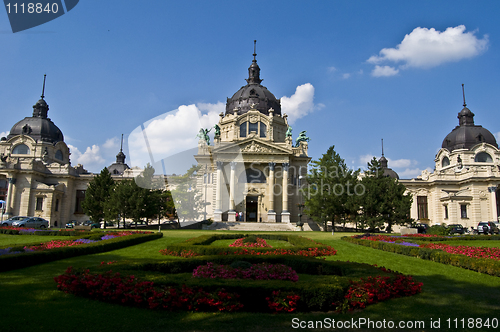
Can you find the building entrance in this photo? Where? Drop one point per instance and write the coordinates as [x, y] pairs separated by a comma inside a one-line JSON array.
[[251, 208]]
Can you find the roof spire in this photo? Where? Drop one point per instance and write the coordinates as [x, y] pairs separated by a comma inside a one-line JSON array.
[[121, 146], [43, 89], [254, 70], [382, 147], [463, 93], [254, 50]]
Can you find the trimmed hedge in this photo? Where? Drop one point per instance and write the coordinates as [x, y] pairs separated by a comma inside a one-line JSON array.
[[46, 233], [201, 244], [328, 284], [452, 238], [482, 265], [17, 261]]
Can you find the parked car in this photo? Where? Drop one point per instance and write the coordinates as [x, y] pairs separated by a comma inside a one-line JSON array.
[[107, 223], [91, 224], [31, 222], [456, 229], [9, 221], [71, 224], [487, 227], [421, 227]]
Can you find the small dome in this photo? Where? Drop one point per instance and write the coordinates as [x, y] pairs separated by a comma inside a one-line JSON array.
[[253, 95], [466, 135], [388, 172]]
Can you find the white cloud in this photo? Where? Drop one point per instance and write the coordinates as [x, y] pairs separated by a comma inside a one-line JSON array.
[[426, 48], [171, 133], [111, 143], [400, 163], [380, 71], [300, 103], [90, 158], [365, 159], [331, 69], [497, 136], [4, 133], [346, 75]]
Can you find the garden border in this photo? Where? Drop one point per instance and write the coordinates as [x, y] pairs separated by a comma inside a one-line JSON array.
[[481, 265]]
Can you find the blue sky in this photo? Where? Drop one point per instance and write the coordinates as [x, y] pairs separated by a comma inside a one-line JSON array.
[[351, 73]]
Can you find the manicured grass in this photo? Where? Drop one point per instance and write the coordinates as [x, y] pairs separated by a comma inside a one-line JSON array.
[[7, 239], [34, 304]]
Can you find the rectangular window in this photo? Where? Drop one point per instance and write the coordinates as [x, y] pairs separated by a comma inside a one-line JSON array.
[[263, 129], [253, 127], [243, 130], [39, 203], [56, 208], [422, 207], [463, 211], [80, 196], [446, 212]]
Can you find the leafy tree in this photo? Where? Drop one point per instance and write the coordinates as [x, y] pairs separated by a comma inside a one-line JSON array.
[[330, 189], [186, 196], [97, 193], [121, 202], [384, 201]]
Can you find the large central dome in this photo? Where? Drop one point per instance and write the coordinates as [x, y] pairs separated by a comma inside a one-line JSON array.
[[466, 135], [253, 95]]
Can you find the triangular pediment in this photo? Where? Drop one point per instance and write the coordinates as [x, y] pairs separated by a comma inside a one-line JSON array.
[[252, 146]]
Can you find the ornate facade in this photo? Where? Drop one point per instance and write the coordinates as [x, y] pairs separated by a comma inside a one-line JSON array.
[[253, 168], [462, 189]]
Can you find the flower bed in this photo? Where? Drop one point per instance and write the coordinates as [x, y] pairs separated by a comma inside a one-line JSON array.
[[457, 258], [476, 252], [262, 271], [259, 243], [128, 290], [200, 246]]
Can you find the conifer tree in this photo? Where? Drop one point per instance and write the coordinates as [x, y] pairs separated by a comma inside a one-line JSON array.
[[97, 193]]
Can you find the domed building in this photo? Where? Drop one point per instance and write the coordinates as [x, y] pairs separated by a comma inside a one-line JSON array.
[[36, 175], [463, 187], [253, 170]]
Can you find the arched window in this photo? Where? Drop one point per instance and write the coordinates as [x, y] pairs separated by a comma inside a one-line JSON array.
[[253, 127], [243, 129], [483, 157], [59, 155], [21, 149], [445, 162]]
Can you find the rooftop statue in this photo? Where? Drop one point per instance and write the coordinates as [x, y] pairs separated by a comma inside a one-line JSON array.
[[203, 134], [302, 138], [289, 132], [217, 131]]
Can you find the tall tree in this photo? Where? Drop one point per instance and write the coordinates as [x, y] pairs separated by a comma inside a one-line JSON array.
[[121, 201], [330, 189], [384, 201], [186, 196], [97, 193]]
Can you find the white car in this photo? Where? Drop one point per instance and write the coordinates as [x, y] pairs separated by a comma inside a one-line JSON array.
[[9, 221], [31, 222]]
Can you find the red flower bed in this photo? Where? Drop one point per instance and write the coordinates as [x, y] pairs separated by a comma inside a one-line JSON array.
[[310, 252], [261, 243], [475, 252], [114, 288], [282, 302], [376, 289]]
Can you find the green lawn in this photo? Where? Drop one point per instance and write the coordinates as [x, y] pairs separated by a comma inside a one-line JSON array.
[[31, 302]]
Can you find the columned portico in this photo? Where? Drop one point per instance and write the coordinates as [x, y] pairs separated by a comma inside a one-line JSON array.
[[218, 201], [271, 214], [285, 215], [231, 214]]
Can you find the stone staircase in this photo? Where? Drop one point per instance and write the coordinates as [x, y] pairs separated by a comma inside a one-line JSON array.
[[255, 226]]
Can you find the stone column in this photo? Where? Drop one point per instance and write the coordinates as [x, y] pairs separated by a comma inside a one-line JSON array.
[[231, 214], [218, 201], [271, 215], [493, 201], [10, 189], [285, 215]]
